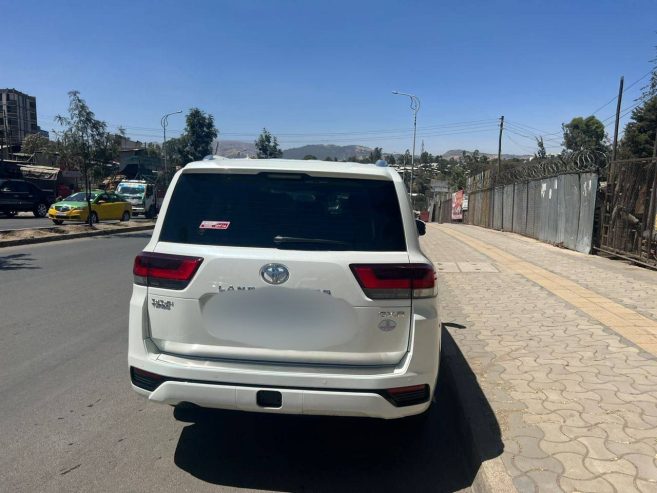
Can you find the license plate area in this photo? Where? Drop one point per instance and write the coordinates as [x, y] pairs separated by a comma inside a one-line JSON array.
[[269, 399]]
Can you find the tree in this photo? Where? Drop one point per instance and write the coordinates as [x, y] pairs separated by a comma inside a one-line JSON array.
[[309, 157], [457, 177], [35, 143], [585, 134], [153, 149], [375, 155], [390, 158], [540, 152], [639, 138], [267, 146], [199, 134], [407, 157], [426, 158], [84, 143]]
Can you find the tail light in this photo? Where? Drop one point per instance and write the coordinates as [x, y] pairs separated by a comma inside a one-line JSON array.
[[396, 281], [145, 379], [408, 396], [161, 270]]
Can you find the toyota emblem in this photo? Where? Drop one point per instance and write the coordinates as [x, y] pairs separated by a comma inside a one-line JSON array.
[[274, 273]]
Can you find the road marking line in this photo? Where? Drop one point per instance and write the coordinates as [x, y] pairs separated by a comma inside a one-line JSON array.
[[641, 330]]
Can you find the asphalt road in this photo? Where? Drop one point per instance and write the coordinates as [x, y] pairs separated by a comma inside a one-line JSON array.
[[70, 422], [27, 220]]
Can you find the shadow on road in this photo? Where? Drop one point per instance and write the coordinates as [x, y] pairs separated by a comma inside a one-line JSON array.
[[309, 453], [476, 419], [17, 261]]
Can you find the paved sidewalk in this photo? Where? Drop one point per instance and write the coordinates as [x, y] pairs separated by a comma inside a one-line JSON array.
[[563, 346]]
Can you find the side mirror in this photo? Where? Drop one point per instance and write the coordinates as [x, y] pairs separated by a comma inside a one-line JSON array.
[[421, 227]]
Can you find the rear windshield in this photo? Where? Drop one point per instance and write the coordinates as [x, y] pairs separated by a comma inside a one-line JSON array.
[[289, 211]]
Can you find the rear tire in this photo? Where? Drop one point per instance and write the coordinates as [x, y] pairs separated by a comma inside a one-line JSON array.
[[125, 217], [58, 221], [40, 210]]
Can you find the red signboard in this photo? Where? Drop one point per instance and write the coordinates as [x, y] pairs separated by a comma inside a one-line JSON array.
[[457, 206]]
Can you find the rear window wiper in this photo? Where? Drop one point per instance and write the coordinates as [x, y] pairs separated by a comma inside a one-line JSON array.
[[279, 240]]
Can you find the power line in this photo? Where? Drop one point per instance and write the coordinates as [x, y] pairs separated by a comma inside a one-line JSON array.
[[519, 144], [624, 91]]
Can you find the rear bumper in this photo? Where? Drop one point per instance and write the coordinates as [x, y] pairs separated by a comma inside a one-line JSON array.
[[293, 401], [304, 390]]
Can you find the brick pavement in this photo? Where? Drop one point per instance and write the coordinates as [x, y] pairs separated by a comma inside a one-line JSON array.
[[575, 400]]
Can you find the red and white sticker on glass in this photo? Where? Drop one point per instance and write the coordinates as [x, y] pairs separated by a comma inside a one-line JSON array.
[[214, 225]]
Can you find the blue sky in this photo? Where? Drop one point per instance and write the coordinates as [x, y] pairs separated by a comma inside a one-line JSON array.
[[323, 72]]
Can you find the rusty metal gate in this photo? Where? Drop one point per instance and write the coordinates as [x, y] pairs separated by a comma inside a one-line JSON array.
[[627, 217]]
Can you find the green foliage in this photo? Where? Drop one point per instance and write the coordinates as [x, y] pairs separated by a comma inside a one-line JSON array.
[[585, 134], [457, 177], [390, 158], [540, 153], [153, 149], [407, 157], [474, 162], [36, 143], [375, 155], [195, 142], [84, 143], [639, 138], [199, 134], [267, 146], [426, 158], [309, 157]]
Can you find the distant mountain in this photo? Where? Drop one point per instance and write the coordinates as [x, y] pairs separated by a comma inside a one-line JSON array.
[[234, 148], [457, 153], [322, 151]]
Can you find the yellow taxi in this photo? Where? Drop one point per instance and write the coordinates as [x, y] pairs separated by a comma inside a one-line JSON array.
[[104, 206]]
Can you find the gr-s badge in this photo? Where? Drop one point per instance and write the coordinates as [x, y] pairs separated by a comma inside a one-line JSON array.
[[162, 304]]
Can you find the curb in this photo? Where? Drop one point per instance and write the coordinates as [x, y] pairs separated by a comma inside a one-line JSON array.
[[476, 425], [73, 236]]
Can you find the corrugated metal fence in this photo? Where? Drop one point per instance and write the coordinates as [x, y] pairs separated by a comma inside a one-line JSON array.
[[552, 200]]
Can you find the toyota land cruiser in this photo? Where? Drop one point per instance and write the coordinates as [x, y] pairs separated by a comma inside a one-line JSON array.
[[286, 286]]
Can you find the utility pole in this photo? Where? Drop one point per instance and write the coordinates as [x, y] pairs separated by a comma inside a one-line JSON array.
[[415, 107], [499, 146], [618, 109], [164, 121]]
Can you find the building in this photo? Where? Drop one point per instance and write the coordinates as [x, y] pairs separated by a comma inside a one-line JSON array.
[[18, 117]]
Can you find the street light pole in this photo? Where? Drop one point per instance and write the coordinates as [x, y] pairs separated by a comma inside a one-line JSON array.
[[415, 107], [164, 121]]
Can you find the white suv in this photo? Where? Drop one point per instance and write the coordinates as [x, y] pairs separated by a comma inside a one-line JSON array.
[[286, 286]]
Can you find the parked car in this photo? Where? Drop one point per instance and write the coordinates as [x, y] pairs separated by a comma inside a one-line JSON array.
[[286, 287], [104, 206], [20, 196]]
